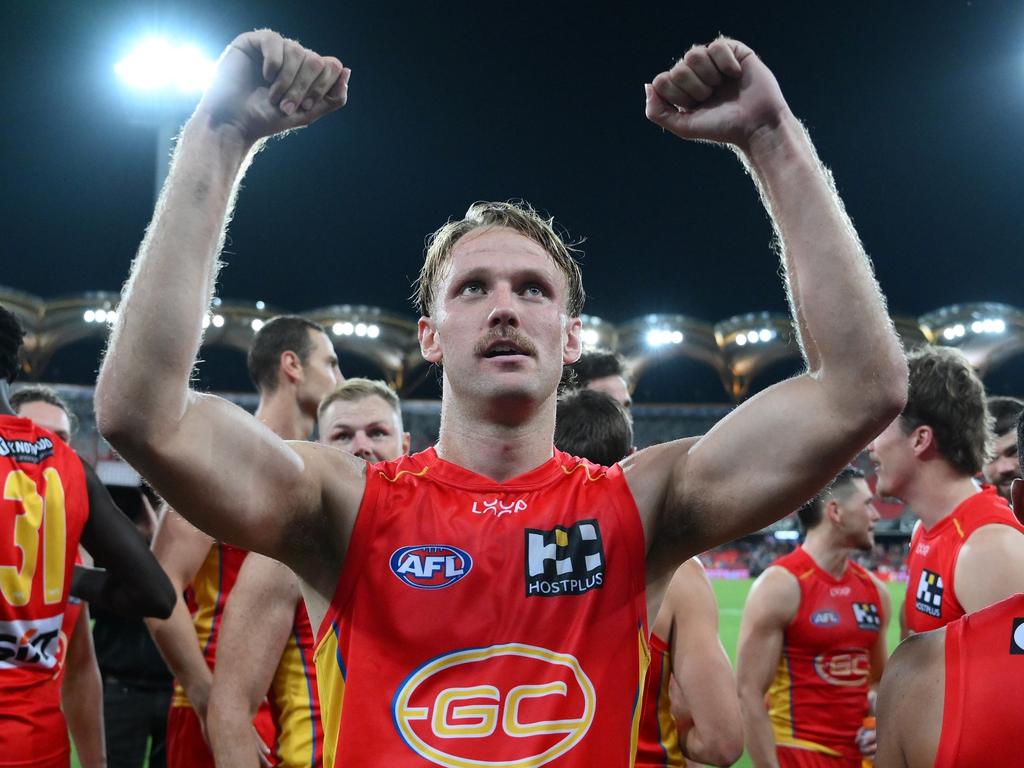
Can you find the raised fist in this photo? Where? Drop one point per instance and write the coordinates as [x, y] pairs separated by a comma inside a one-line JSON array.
[[720, 92], [267, 84]]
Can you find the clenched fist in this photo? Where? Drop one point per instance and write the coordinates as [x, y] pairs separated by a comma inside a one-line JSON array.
[[720, 92], [266, 84]]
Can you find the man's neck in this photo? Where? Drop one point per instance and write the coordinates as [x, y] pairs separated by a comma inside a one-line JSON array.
[[5, 399], [936, 490], [830, 557], [500, 449], [281, 412]]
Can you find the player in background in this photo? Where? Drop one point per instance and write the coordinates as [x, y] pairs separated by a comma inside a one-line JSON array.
[[1004, 467], [950, 698], [79, 685], [812, 638], [967, 551], [602, 371], [500, 298], [266, 639], [690, 709], [52, 500], [293, 365]]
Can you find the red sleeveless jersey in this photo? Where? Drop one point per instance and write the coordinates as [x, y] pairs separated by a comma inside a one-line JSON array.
[[658, 740], [478, 623], [984, 678], [43, 509], [931, 594], [295, 701], [818, 698]]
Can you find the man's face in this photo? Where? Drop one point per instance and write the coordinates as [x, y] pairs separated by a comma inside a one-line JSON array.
[[320, 372], [857, 515], [368, 428], [48, 417], [615, 386], [499, 324], [893, 454], [1001, 471]]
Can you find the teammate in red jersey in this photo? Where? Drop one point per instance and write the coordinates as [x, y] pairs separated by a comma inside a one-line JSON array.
[[51, 501], [813, 638], [364, 418], [967, 551], [1004, 466], [461, 592], [293, 365], [950, 698]]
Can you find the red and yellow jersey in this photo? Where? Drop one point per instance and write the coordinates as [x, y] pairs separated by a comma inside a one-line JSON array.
[[294, 700], [478, 623], [72, 612], [931, 593], [984, 677], [818, 698], [206, 597], [43, 510], [658, 742]]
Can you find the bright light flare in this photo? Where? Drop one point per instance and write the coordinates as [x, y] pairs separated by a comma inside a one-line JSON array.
[[157, 64]]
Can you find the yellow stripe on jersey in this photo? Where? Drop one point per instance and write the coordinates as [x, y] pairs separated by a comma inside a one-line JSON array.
[[644, 657], [330, 679], [293, 703], [592, 478], [205, 593], [668, 733], [780, 703]]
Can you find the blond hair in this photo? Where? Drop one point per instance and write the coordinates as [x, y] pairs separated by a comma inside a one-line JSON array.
[[356, 389]]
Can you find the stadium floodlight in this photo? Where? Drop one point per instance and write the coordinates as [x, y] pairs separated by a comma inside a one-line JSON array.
[[156, 64]]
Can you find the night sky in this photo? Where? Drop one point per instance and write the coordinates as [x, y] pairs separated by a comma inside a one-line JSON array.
[[918, 109]]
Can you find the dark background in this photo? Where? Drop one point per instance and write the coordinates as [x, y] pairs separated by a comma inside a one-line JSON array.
[[917, 107]]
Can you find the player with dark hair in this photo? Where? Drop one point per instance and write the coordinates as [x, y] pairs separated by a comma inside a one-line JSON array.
[[52, 500], [1004, 466], [967, 551], [950, 698], [294, 365], [364, 418], [46, 408], [813, 639], [594, 426], [602, 371], [406, 566]]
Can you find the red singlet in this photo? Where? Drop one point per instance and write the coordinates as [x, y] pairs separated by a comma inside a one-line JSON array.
[[818, 698], [984, 711], [478, 623], [931, 595], [43, 509], [658, 741]]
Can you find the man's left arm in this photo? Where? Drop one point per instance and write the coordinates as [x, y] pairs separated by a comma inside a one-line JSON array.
[[779, 448], [867, 740], [82, 695], [990, 567]]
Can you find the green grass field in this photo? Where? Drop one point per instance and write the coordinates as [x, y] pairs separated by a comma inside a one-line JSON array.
[[731, 596]]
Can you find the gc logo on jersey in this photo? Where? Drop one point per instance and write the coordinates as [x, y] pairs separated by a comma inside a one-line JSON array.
[[846, 669], [867, 616], [564, 561], [30, 643], [432, 566], [929, 593], [1017, 637], [506, 706]]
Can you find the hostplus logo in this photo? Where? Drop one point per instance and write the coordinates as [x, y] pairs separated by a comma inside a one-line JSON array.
[[867, 616], [929, 594], [564, 561]]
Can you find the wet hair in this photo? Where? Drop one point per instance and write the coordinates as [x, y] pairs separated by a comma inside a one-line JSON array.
[[812, 513], [516, 215], [352, 390], [1005, 413], [947, 395], [285, 333], [12, 336], [38, 393], [593, 426]]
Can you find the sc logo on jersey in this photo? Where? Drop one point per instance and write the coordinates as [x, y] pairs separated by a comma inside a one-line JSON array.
[[500, 706], [433, 566], [843, 669]]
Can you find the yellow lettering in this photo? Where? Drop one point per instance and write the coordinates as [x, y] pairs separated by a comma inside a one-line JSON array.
[[36, 513], [479, 719]]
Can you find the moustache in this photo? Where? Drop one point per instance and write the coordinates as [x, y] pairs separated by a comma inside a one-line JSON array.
[[505, 333]]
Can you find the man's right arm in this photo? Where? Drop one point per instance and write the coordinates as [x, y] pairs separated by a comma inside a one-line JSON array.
[[771, 605], [180, 440], [181, 549]]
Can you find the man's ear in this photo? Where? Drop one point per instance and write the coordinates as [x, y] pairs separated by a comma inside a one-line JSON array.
[[290, 366], [406, 442], [430, 346], [573, 341], [923, 440]]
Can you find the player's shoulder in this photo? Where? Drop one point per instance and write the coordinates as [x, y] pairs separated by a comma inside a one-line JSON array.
[[775, 593], [913, 658]]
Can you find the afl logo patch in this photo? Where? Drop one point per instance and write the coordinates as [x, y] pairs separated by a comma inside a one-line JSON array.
[[430, 566], [1017, 637], [825, 618]]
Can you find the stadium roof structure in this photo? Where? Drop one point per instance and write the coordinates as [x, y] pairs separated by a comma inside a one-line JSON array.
[[738, 348]]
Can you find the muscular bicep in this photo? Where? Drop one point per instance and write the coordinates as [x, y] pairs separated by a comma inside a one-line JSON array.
[[771, 605], [990, 567], [756, 465]]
